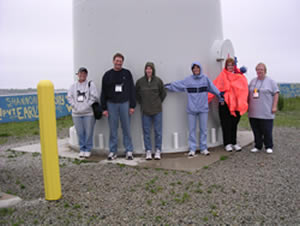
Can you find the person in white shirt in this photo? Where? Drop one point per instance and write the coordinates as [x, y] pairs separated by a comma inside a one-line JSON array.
[[263, 99]]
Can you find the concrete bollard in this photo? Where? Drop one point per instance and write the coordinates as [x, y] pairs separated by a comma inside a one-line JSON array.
[[48, 137]]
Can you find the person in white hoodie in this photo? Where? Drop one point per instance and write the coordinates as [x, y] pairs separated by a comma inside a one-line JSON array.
[[81, 95]]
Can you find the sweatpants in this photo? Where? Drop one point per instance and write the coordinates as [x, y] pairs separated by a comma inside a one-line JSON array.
[[262, 131], [229, 124]]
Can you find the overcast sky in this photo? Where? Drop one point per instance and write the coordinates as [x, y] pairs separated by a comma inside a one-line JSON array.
[[36, 39]]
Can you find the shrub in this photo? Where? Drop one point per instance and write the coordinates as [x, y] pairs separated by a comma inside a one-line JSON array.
[[280, 103]]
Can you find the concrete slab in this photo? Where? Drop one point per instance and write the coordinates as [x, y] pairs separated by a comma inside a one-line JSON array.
[[135, 162], [178, 161], [63, 148], [184, 163], [7, 200]]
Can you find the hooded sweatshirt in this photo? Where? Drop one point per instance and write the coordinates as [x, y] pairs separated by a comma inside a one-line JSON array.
[[196, 87], [150, 93], [82, 108]]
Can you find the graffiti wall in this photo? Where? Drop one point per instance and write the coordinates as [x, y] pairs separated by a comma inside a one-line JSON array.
[[19, 108], [290, 89]]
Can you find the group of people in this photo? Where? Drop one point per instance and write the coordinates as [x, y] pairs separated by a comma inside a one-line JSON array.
[[119, 95]]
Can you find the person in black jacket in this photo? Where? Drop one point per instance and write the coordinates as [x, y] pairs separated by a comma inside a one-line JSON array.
[[118, 102]]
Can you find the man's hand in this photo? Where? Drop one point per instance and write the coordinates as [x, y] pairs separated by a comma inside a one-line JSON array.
[[105, 113], [131, 111], [274, 110]]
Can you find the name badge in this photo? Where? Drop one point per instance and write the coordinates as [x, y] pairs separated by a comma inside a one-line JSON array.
[[118, 88], [80, 98], [255, 93]]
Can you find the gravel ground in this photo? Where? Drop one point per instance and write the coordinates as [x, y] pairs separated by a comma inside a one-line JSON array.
[[245, 189]]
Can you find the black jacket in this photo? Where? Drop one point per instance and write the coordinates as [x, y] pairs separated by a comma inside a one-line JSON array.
[[112, 78]]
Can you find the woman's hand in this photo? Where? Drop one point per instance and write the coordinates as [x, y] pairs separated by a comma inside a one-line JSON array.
[[131, 111], [105, 113], [274, 109]]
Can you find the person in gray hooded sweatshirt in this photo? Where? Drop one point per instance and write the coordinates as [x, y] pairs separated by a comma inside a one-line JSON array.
[[81, 95], [196, 86], [150, 93]]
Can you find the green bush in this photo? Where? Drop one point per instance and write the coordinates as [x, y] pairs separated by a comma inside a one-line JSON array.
[[280, 103]]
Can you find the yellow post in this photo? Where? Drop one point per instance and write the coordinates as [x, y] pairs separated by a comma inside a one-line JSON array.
[[48, 137]]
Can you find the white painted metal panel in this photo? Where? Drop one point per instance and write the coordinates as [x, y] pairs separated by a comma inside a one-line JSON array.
[[170, 33]]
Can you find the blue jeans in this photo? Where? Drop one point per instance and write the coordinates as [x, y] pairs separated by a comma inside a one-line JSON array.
[[116, 112], [193, 118], [147, 121], [84, 126]]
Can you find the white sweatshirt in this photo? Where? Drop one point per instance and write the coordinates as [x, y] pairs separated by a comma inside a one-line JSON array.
[[83, 108]]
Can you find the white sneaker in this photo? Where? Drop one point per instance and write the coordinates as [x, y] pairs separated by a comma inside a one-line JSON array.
[[205, 152], [237, 147], [157, 155], [228, 147], [254, 150], [87, 154], [148, 155], [81, 154], [129, 155], [191, 154], [111, 156], [269, 150]]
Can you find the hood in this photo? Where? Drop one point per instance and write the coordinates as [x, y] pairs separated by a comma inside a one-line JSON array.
[[198, 64], [150, 64]]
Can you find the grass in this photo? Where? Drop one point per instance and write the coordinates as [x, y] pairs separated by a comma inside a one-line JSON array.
[[35, 154], [289, 116], [149, 202], [6, 211], [158, 219], [76, 206], [26, 129], [14, 154], [184, 198], [121, 165], [198, 190], [152, 187], [223, 157], [79, 161]]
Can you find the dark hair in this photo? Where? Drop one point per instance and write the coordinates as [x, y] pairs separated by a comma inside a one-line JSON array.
[[229, 60], [195, 65], [82, 69], [118, 55]]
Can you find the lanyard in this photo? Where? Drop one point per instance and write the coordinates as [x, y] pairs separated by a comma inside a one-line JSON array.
[[260, 85]]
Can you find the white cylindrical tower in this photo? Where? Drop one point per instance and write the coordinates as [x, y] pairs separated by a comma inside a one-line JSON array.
[[170, 33]]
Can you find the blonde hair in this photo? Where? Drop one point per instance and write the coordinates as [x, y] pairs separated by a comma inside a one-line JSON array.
[[261, 64]]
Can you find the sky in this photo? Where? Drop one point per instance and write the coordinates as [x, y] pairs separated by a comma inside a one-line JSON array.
[[36, 39]]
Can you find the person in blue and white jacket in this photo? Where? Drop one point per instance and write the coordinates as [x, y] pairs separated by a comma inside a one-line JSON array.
[[196, 86]]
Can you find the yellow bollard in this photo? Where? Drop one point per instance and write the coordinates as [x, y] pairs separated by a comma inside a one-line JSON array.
[[48, 137]]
